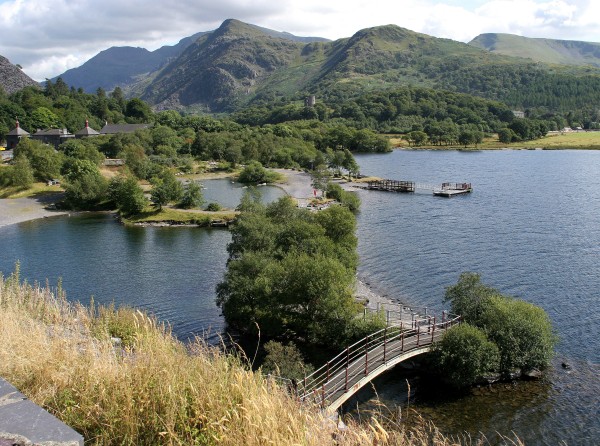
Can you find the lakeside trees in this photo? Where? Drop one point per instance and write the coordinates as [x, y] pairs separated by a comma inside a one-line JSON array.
[[500, 335], [290, 274]]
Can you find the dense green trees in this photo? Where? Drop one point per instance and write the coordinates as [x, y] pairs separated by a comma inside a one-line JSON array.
[[45, 161], [291, 273], [465, 355], [192, 196], [165, 189], [503, 334], [19, 175], [85, 187], [127, 195], [255, 173]]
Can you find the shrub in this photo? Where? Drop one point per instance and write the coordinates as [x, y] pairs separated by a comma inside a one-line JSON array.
[[213, 207], [285, 360], [465, 355], [522, 332]]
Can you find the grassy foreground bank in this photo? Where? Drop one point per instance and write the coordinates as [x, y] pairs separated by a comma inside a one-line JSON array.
[[150, 389]]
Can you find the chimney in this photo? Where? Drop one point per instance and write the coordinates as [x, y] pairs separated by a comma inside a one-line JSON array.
[[17, 123], [86, 124]]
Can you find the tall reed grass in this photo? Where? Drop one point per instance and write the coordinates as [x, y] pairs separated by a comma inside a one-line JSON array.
[[147, 388]]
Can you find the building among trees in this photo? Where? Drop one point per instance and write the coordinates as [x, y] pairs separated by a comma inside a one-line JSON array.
[[14, 136], [86, 131]]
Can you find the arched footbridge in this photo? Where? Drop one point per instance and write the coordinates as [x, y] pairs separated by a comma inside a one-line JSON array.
[[341, 377]]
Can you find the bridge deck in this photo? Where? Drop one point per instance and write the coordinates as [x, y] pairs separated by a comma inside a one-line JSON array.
[[340, 378]]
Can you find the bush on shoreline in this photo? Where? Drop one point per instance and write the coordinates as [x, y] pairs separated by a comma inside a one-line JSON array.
[[503, 335]]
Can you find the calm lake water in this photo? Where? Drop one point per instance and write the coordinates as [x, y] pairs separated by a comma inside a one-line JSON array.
[[171, 272], [531, 228]]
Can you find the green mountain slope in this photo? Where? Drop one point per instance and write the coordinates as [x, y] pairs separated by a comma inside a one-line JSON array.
[[550, 51], [240, 64]]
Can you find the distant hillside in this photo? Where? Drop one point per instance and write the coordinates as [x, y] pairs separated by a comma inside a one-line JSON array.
[[121, 66], [126, 66], [241, 64], [12, 79], [550, 51]]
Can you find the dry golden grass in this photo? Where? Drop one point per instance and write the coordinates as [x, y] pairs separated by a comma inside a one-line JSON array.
[[151, 389]]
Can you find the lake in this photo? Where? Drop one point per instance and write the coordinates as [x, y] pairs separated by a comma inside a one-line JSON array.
[[530, 228]]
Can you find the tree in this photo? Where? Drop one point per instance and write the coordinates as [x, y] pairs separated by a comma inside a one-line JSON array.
[[20, 174], [523, 333], [127, 195], [465, 355], [85, 187], [470, 298], [81, 150], [255, 173], [43, 118], [416, 138], [506, 136], [45, 161], [291, 274], [138, 110], [192, 196], [165, 189]]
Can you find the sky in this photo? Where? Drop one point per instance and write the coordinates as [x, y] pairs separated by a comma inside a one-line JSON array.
[[48, 37]]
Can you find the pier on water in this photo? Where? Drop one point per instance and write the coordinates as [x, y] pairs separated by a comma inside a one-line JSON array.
[[445, 190]]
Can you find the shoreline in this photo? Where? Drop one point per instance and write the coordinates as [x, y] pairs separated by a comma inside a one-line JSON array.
[[19, 210]]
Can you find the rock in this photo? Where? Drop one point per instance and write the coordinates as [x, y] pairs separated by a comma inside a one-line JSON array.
[[532, 374]]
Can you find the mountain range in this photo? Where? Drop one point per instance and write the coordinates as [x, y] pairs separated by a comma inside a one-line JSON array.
[[240, 64], [550, 51]]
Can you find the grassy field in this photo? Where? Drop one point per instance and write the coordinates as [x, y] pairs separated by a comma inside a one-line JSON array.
[[572, 140], [147, 388]]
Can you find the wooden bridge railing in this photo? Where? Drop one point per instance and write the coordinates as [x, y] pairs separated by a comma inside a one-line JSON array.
[[339, 375]]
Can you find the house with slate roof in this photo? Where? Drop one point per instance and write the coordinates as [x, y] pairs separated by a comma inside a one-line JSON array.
[[86, 131], [14, 136], [53, 137]]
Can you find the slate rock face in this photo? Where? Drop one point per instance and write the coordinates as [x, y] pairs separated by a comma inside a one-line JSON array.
[[12, 79]]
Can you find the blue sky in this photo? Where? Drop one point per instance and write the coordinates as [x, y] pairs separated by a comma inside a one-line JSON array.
[[47, 37]]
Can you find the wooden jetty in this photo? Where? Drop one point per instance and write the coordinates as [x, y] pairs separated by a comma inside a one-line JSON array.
[[445, 190], [392, 185], [451, 189]]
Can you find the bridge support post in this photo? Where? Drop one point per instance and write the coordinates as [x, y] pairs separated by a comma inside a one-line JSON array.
[[418, 333], [433, 330], [384, 344], [367, 357], [347, 360]]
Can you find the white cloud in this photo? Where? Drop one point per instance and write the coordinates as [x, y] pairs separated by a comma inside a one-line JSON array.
[[49, 36]]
